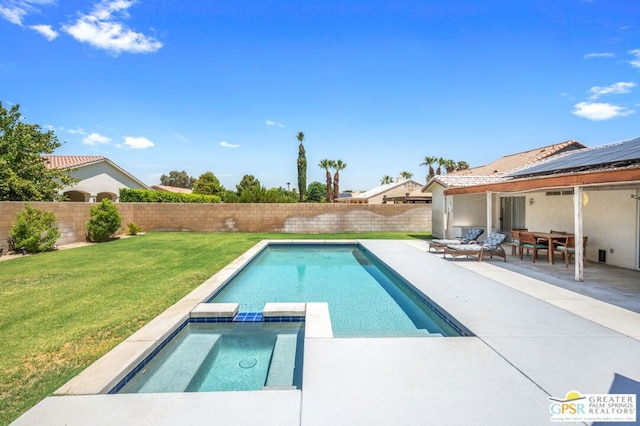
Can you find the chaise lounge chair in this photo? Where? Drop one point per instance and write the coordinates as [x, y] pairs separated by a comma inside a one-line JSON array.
[[491, 247], [470, 237]]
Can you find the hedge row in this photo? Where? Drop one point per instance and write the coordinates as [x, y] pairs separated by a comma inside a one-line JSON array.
[[149, 196]]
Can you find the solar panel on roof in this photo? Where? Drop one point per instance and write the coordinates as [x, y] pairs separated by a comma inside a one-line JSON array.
[[623, 151]]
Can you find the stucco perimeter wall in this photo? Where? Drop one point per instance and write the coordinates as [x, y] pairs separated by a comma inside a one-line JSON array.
[[284, 218], [71, 219]]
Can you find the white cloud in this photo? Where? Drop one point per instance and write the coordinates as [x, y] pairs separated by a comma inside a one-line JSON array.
[[599, 55], [228, 145], [14, 11], [618, 88], [77, 131], [46, 30], [635, 62], [138, 143], [597, 111], [273, 123], [13, 14], [102, 29], [95, 139]]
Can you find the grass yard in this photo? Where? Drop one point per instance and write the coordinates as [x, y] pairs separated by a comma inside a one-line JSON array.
[[62, 310]]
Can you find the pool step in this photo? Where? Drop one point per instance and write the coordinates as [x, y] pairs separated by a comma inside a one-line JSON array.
[[282, 362], [175, 374]]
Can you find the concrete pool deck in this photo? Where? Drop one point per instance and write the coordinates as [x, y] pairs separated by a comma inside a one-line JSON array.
[[532, 340]]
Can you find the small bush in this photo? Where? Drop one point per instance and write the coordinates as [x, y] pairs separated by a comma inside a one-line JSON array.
[[104, 221], [133, 228], [35, 230]]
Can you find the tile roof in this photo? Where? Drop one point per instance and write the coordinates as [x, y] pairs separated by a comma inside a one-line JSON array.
[[616, 155], [499, 170], [76, 161], [508, 163], [71, 161], [451, 180]]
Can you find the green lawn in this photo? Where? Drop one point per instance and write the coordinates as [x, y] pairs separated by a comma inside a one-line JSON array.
[[60, 311]]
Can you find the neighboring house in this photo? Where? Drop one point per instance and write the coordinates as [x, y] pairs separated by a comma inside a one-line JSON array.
[[471, 211], [100, 178], [167, 188], [398, 191], [593, 192]]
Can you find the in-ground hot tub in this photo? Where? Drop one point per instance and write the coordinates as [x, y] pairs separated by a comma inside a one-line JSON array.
[[222, 356]]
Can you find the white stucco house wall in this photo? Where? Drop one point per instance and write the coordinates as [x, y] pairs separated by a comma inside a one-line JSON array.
[[100, 178]]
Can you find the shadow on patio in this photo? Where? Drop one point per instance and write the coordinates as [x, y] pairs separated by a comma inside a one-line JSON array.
[[617, 286]]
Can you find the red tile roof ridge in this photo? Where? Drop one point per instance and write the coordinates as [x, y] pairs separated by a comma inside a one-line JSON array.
[[71, 161]]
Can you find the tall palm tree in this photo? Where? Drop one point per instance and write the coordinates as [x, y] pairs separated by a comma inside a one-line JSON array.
[[302, 167], [428, 161], [440, 161], [326, 165], [337, 165], [462, 165], [449, 165], [386, 179], [406, 175]]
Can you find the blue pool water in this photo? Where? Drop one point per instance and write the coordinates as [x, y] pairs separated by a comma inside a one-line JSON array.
[[206, 357], [365, 298]]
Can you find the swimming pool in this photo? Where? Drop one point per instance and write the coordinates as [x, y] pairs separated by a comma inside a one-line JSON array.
[[208, 357], [365, 297]]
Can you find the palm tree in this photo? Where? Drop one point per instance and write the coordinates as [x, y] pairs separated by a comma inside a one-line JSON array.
[[302, 166], [326, 165], [462, 165], [386, 179], [337, 165], [449, 165], [428, 161], [440, 162], [406, 175]]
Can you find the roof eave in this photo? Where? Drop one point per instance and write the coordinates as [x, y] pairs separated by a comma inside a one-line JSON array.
[[601, 177]]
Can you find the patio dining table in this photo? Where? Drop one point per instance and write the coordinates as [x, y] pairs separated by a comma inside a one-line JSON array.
[[550, 237]]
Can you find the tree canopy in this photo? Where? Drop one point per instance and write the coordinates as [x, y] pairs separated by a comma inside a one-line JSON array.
[[208, 184], [178, 179], [316, 192], [248, 181], [23, 172]]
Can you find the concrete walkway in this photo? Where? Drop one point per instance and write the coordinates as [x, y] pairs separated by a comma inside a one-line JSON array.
[[532, 340]]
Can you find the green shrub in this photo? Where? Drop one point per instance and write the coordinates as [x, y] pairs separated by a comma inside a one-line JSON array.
[[35, 230], [133, 228], [149, 196], [104, 221]]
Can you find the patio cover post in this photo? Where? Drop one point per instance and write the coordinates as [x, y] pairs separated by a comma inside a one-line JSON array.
[[489, 212], [578, 231]]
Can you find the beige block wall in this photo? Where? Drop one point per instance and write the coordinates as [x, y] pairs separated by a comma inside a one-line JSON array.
[[285, 218]]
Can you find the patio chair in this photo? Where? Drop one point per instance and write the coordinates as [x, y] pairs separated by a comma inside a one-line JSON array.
[[491, 246], [516, 244], [568, 249], [470, 237], [530, 242], [552, 231]]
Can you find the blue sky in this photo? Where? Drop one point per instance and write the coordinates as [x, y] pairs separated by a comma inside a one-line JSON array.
[[225, 85]]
